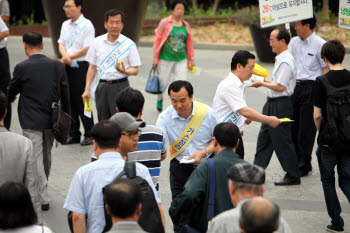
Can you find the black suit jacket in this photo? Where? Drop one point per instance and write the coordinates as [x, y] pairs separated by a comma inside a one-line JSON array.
[[35, 80]]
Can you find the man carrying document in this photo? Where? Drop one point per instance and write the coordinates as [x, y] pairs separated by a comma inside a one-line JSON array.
[[279, 104], [113, 57], [189, 125]]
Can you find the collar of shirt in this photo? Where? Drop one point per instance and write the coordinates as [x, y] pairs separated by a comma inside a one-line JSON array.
[[120, 39], [127, 222], [36, 54], [176, 115], [235, 79], [108, 155], [309, 39], [281, 55], [81, 17]]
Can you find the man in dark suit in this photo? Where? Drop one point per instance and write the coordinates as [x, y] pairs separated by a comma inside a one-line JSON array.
[[35, 80]]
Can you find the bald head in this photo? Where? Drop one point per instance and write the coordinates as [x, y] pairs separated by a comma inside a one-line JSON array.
[[259, 215]]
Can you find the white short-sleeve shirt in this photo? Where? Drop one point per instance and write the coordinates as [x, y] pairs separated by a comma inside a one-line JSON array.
[[228, 99], [307, 55], [84, 36], [102, 47], [3, 28], [283, 76]]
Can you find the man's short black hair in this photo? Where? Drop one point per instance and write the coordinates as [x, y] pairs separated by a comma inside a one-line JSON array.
[[257, 219], [78, 2], [113, 12], [175, 2], [312, 22], [33, 39], [283, 34], [131, 101], [333, 51], [177, 85], [226, 134], [106, 134], [16, 207], [3, 105], [241, 57], [123, 197]]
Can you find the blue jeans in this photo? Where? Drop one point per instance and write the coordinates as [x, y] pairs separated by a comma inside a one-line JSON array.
[[327, 160]]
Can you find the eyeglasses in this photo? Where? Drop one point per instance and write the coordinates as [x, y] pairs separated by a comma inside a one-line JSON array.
[[132, 135], [67, 7]]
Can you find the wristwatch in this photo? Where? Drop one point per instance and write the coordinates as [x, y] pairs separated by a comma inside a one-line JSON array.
[[206, 152]]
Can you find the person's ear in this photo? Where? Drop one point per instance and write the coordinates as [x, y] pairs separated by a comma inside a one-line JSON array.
[[236, 147], [42, 46], [117, 109], [107, 209], [139, 210], [262, 190], [94, 145], [240, 226], [141, 112]]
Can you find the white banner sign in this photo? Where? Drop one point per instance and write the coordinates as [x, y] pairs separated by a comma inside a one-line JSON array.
[[344, 14], [276, 12]]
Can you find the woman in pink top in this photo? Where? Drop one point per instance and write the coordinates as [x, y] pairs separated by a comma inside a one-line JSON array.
[[173, 49]]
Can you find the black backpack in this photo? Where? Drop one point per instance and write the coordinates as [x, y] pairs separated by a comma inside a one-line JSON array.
[[150, 219], [336, 130]]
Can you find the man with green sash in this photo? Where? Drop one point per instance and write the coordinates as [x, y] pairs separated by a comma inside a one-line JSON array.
[[279, 104], [189, 126], [113, 57], [77, 35]]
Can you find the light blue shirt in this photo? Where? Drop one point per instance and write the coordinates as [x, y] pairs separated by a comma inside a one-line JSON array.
[[307, 55], [173, 125], [85, 192]]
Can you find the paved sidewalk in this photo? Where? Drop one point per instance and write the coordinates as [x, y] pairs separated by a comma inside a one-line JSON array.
[[302, 206]]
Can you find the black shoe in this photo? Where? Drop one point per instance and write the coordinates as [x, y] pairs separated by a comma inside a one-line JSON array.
[[331, 228], [45, 207], [71, 140], [87, 141], [288, 181], [304, 173]]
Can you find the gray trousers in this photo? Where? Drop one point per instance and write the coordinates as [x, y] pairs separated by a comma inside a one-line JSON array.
[[42, 144], [106, 95], [277, 139]]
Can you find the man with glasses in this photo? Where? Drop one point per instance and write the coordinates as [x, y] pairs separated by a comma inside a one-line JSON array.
[[113, 57], [279, 104], [77, 35], [85, 198]]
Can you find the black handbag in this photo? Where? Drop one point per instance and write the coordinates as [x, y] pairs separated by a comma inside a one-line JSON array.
[[61, 121], [153, 84]]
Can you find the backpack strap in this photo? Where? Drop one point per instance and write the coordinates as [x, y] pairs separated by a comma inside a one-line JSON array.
[[130, 169], [211, 202]]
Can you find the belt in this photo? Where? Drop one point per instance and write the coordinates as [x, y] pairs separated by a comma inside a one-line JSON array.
[[242, 134], [114, 80], [277, 98], [305, 82]]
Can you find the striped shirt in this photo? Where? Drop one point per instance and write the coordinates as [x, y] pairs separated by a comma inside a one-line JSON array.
[[150, 147]]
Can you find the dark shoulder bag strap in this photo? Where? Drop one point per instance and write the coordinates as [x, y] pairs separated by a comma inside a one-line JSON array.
[[211, 202], [130, 168], [58, 85]]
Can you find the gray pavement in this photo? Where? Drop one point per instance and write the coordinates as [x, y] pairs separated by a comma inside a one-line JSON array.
[[302, 206]]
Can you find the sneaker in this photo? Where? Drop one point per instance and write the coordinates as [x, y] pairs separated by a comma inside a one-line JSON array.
[[160, 105], [87, 141], [331, 228]]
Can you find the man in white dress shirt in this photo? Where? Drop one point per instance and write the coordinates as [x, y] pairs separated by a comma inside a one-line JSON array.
[[229, 100], [306, 50], [77, 35], [114, 57], [279, 104]]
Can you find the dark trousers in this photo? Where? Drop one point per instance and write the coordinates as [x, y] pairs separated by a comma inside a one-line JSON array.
[[303, 129], [106, 96], [327, 160], [5, 77], [77, 81], [277, 139], [179, 174], [240, 148]]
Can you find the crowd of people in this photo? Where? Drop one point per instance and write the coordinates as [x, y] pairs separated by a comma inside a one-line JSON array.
[[213, 188]]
